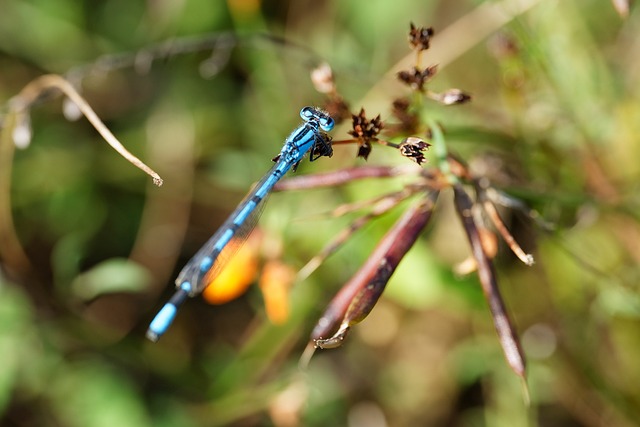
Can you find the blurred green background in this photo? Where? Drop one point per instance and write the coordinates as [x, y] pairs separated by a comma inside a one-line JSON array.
[[555, 120]]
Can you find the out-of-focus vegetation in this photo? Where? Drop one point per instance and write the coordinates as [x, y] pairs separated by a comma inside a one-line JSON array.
[[555, 121]]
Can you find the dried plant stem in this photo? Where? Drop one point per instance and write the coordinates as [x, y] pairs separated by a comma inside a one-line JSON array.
[[487, 275], [11, 251], [491, 210], [379, 208], [37, 87], [342, 177]]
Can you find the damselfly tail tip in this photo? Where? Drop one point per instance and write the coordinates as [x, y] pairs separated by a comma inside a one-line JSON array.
[[152, 336], [162, 321]]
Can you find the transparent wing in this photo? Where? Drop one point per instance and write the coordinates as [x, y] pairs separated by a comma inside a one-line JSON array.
[[211, 259]]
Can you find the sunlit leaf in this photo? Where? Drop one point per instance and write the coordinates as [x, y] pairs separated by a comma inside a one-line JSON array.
[[114, 275]]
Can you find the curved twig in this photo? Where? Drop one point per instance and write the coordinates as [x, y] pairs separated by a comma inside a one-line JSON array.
[[37, 87]]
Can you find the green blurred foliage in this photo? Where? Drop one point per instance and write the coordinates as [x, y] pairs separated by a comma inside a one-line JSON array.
[[555, 120]]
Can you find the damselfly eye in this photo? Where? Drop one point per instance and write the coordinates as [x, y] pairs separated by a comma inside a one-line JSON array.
[[326, 122], [307, 113]]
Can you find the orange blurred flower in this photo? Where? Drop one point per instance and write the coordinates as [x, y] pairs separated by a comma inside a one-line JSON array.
[[236, 277]]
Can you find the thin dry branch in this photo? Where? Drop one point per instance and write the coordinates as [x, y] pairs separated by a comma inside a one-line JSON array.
[[487, 275], [36, 88], [11, 251]]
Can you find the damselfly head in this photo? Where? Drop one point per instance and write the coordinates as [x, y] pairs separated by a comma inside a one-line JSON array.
[[324, 120]]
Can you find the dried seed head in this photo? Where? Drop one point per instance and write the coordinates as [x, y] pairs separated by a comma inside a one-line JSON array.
[[622, 7], [365, 131], [454, 96], [322, 78], [413, 148], [417, 78], [408, 120], [419, 37], [337, 108], [364, 128], [400, 106], [503, 46]]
